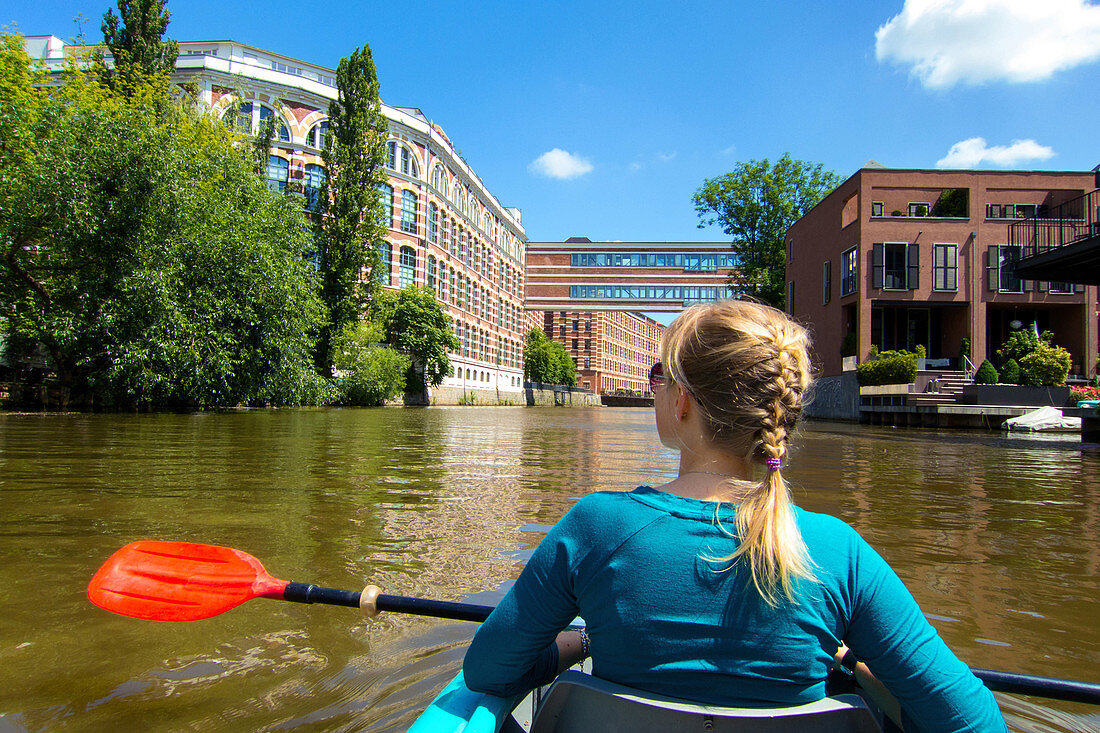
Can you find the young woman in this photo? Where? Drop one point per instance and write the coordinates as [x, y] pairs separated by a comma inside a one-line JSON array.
[[714, 587]]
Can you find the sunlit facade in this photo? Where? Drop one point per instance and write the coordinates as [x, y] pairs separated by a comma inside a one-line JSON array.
[[446, 229]]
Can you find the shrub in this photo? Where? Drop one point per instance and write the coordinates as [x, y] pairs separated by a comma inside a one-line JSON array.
[[964, 348], [891, 367], [1021, 343], [986, 374], [848, 345], [371, 372], [1010, 372], [1047, 366]]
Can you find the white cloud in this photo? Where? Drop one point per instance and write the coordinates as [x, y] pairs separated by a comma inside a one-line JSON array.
[[732, 149], [975, 41], [974, 152], [666, 157], [557, 163], [635, 166]]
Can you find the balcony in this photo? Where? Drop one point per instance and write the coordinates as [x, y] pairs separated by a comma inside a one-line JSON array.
[[1062, 245]]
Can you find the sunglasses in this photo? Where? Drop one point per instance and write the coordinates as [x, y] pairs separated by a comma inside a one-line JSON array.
[[656, 376]]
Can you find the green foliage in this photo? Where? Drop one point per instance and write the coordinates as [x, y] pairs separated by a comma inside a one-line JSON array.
[[371, 373], [143, 253], [1046, 366], [755, 204], [1021, 343], [987, 374], [953, 202], [1040, 362], [964, 348], [135, 39], [1010, 372], [848, 345], [546, 360], [350, 224], [891, 367], [414, 322]]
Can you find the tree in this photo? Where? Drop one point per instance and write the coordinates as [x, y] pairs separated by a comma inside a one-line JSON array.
[[546, 360], [755, 204], [350, 221], [143, 253], [415, 324], [371, 372], [135, 40]]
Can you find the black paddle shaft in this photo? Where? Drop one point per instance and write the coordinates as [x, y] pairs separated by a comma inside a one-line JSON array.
[[1048, 687], [438, 609], [307, 593]]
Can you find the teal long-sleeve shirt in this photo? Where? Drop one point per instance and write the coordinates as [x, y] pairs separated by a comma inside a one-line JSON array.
[[665, 615]]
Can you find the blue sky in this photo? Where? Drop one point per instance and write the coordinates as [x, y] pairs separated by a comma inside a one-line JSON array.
[[631, 106]]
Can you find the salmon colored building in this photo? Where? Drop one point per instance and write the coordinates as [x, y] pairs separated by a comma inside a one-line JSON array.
[[613, 350], [902, 258]]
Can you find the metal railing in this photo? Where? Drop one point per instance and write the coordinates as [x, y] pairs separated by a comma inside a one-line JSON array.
[[1069, 222]]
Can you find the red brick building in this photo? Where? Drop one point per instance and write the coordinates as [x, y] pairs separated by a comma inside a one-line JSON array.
[[612, 350], [902, 258]]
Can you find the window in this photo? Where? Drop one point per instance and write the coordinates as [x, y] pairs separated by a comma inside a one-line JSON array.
[[406, 274], [439, 180], [1002, 269], [895, 266], [387, 204], [790, 296], [919, 209], [391, 156], [433, 223], [250, 119], [278, 171], [281, 132], [826, 281], [1025, 211], [850, 264], [385, 252], [574, 344], [408, 211], [315, 138], [945, 267], [876, 208], [1058, 288], [312, 183], [431, 273]]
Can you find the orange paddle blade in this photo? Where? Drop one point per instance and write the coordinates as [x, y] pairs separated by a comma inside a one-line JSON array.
[[179, 581]]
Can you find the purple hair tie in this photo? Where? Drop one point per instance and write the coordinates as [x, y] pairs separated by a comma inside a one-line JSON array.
[[773, 463]]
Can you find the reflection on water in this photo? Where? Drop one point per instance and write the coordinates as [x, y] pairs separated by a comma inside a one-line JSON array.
[[995, 536]]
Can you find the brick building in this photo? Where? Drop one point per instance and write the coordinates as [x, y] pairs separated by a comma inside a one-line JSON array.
[[902, 258], [613, 350]]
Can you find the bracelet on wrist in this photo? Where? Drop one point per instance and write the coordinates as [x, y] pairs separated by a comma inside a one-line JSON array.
[[848, 661], [586, 646]]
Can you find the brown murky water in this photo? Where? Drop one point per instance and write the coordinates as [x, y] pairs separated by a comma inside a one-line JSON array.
[[996, 537]]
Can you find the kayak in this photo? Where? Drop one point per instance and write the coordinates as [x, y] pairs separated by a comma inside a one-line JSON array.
[[578, 701]]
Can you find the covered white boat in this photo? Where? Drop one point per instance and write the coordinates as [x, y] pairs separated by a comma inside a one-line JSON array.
[[1044, 419]]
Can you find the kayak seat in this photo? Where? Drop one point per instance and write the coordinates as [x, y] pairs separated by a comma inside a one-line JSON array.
[[580, 702]]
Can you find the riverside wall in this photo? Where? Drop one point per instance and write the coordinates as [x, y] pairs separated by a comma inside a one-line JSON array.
[[526, 397]]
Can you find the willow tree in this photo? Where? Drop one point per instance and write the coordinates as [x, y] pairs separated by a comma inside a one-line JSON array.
[[141, 252], [350, 223]]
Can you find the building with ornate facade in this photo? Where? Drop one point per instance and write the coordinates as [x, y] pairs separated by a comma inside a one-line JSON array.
[[447, 231], [613, 350]]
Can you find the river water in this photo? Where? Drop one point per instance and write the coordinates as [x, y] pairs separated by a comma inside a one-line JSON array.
[[996, 537]]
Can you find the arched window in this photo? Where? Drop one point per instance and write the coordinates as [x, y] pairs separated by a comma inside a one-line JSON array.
[[385, 272], [462, 245], [400, 158], [316, 136], [446, 234], [281, 132], [406, 273], [387, 204], [439, 180], [408, 211], [432, 274], [433, 223], [312, 183], [454, 237], [278, 171]]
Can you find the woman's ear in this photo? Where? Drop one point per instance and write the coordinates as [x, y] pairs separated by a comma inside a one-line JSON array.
[[683, 403]]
